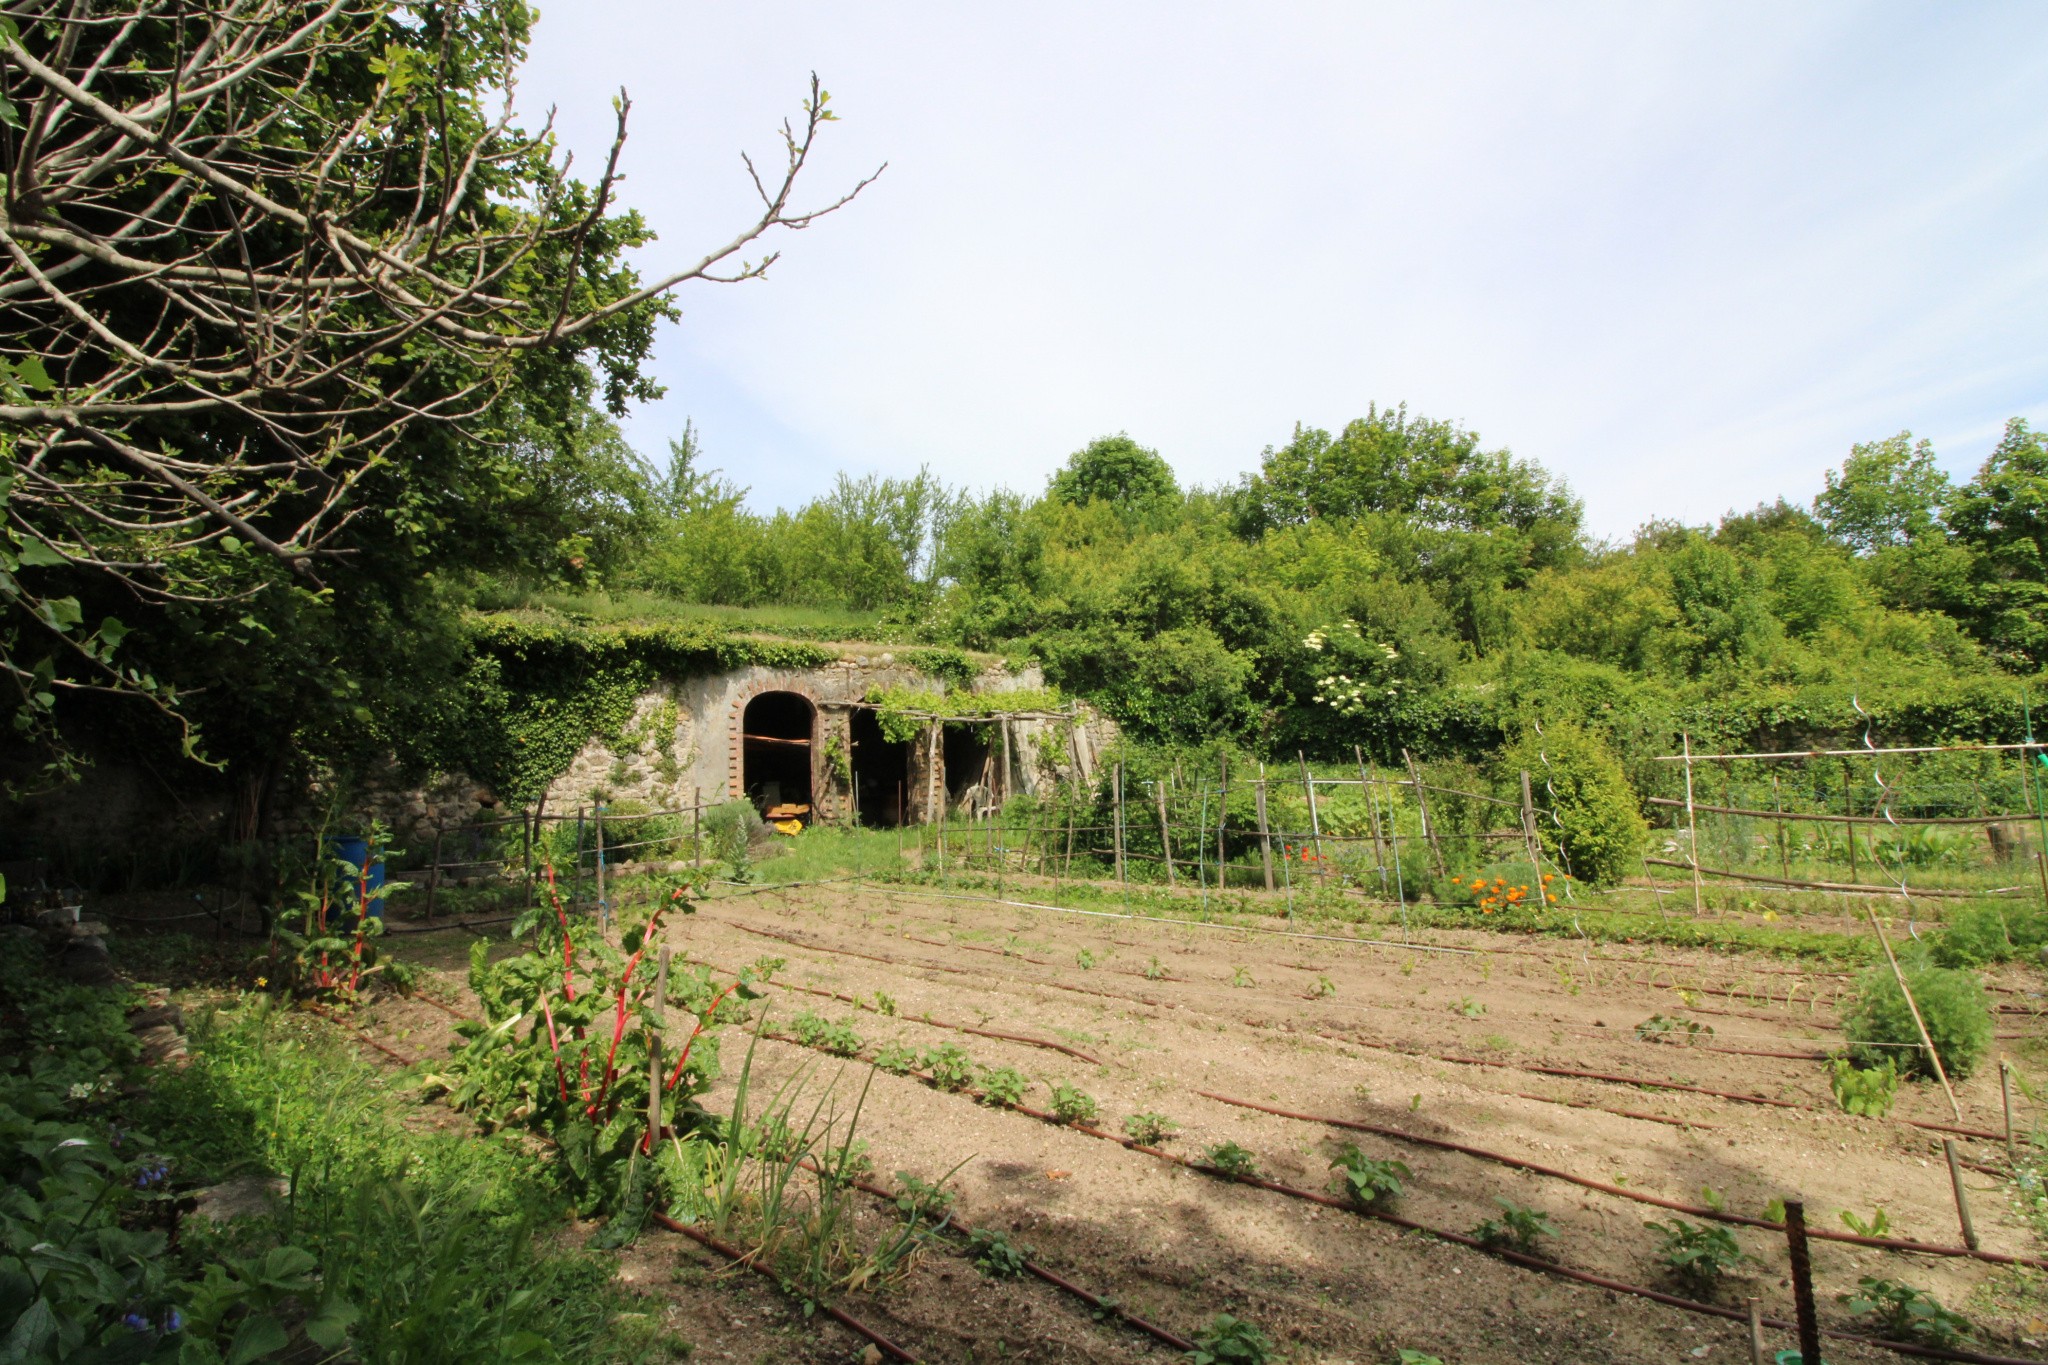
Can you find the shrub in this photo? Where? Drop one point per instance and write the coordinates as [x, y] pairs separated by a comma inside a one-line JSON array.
[[1517, 1228], [1979, 934], [995, 1255], [1698, 1254], [1232, 1160], [1370, 1180], [1880, 1025], [1904, 1311], [1003, 1086], [1070, 1105], [1230, 1341], [1150, 1129], [1866, 1091], [1599, 831], [950, 1066]]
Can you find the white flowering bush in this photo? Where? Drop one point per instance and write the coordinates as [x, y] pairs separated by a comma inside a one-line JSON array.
[[1364, 673]]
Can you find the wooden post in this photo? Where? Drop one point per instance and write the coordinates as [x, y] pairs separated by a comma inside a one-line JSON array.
[[1778, 805], [1315, 823], [1400, 884], [1265, 835], [1068, 870], [1223, 824], [576, 880], [1004, 786], [1117, 792], [1802, 1282], [1529, 840], [433, 872], [1372, 812], [528, 827], [1692, 851], [597, 816], [1165, 833], [654, 1037], [2012, 1152], [1756, 1332], [1436, 852], [1914, 1006], [1849, 809], [696, 828], [1955, 1182]]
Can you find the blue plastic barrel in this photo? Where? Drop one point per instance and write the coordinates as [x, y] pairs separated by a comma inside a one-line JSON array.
[[351, 849]]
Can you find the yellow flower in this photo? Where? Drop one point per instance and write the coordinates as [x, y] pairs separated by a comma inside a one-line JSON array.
[[261, 982]]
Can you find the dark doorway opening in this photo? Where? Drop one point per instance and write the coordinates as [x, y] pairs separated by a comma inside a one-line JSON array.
[[881, 772], [775, 754], [970, 771]]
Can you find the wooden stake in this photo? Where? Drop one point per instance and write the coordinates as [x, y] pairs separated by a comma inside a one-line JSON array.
[[1802, 1282], [526, 831], [434, 872], [1372, 811], [654, 1051], [576, 881], [1436, 852], [1955, 1181], [1315, 823], [1778, 805], [1849, 809], [1529, 840], [603, 910], [1756, 1331], [1914, 1005], [2012, 1152], [1068, 871], [1118, 791], [1004, 798], [1692, 852], [696, 828], [1165, 834], [1222, 824], [1265, 834]]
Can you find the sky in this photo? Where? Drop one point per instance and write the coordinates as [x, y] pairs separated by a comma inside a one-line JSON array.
[[1684, 256]]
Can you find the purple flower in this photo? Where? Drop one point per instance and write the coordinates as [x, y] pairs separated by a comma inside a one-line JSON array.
[[173, 1323], [135, 1322]]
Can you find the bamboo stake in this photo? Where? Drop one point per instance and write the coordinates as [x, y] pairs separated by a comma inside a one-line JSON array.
[[1265, 835], [1400, 888], [2012, 1153], [1921, 1024], [1955, 1181], [576, 882], [1315, 823], [1069, 869], [1222, 824], [1005, 784], [434, 872], [1165, 835], [696, 828], [654, 1035], [1849, 809], [1436, 852], [1118, 789], [526, 827], [1692, 852], [603, 909], [1756, 1331], [1778, 807], [1372, 812], [1529, 825], [1802, 1282]]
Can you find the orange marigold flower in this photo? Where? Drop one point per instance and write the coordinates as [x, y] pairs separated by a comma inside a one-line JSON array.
[[1552, 899]]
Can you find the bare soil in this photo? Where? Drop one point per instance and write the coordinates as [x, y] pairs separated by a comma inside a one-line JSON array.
[[1337, 1029]]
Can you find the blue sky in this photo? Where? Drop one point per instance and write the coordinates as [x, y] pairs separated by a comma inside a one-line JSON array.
[[1683, 255]]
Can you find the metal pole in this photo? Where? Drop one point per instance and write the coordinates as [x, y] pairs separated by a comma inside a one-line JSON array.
[[1692, 852], [1165, 834], [1778, 805], [1849, 809], [1315, 824], [1802, 1282], [1436, 852], [1529, 826], [604, 909], [1265, 835], [1372, 812], [1118, 791]]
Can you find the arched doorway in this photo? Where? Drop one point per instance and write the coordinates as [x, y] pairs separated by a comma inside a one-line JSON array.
[[881, 771], [776, 731]]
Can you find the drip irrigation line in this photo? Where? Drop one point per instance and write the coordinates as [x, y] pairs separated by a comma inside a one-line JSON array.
[[1676, 1206], [1849, 888], [746, 1258], [360, 1032]]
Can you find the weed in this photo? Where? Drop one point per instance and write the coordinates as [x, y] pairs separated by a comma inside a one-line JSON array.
[[995, 1255], [1150, 1129], [1154, 972], [1086, 959], [1230, 1341], [897, 1059], [885, 1002], [839, 1039], [1408, 966], [1774, 1212], [1070, 1105], [1907, 1312], [1952, 1004], [1698, 1253], [1660, 1028], [950, 1066], [1370, 1180], [1003, 1086], [1865, 1091], [1242, 978], [1231, 1159], [1517, 1228], [923, 1196], [1713, 1199], [1324, 987], [1880, 1223], [1409, 1357], [1468, 1007]]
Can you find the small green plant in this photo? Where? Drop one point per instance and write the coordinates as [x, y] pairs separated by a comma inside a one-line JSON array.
[[1231, 1159], [885, 1002], [1154, 972], [1409, 1357], [837, 1038], [1469, 1007], [1880, 1026], [1242, 978], [1070, 1105], [1086, 959], [1231, 1341], [1880, 1223], [1370, 1180], [897, 1059], [1003, 1086], [1517, 1228], [1906, 1312], [1713, 1199], [1324, 987], [995, 1255], [924, 1197], [949, 1065], [1698, 1253], [1661, 1028], [1774, 1212], [1864, 1091], [1150, 1129]]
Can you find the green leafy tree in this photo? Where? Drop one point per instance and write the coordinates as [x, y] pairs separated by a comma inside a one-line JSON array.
[[1887, 493], [1118, 471]]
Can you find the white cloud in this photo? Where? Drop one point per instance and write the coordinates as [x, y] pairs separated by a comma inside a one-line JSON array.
[[1683, 256]]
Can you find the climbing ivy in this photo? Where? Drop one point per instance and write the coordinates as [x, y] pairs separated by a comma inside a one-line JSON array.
[[948, 665], [904, 712], [530, 695]]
